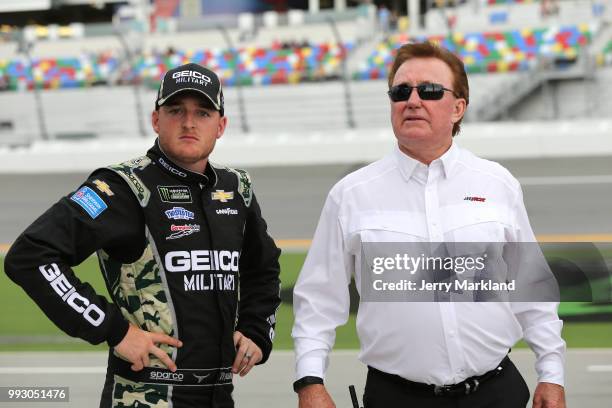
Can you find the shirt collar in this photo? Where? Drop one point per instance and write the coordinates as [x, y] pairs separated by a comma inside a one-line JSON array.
[[409, 167], [209, 177]]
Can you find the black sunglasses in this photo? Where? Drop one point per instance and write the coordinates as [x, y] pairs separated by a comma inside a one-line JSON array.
[[427, 92]]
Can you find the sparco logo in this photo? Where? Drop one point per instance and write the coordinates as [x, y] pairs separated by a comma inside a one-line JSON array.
[[134, 181], [183, 76], [166, 375], [57, 280], [213, 260], [171, 169]]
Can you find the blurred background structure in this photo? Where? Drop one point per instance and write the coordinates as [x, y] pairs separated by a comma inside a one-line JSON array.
[[305, 88]]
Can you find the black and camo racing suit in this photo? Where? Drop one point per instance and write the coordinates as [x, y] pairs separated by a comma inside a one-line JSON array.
[[181, 253]]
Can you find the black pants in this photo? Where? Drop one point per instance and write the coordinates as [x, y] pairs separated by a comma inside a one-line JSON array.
[[506, 390]]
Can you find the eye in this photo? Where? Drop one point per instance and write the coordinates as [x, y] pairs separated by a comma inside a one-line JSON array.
[[204, 113], [173, 110]]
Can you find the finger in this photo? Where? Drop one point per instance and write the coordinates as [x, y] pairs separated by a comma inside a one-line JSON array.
[[165, 339], [237, 338], [240, 354], [239, 362], [245, 370], [145, 360], [248, 356], [137, 365], [255, 358], [163, 357]]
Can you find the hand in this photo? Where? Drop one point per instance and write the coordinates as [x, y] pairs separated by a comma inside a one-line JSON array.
[[138, 344], [549, 395], [315, 396], [247, 354]]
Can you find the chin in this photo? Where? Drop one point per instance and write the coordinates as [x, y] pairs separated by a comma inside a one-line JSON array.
[[413, 137]]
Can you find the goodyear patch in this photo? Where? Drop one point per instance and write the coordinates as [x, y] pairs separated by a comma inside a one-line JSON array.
[[90, 201]]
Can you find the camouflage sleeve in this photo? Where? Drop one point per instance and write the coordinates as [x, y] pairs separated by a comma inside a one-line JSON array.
[[259, 282], [102, 213]]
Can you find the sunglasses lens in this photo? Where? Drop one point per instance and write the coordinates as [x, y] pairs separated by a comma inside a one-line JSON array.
[[400, 93], [430, 92]]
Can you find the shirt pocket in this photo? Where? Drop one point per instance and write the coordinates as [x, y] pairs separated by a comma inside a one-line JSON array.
[[476, 223], [387, 226]]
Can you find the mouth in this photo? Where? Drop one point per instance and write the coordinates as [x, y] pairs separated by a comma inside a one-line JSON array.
[[414, 119], [189, 138]]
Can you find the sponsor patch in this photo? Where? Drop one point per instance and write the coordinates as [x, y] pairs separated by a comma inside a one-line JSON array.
[[223, 196], [179, 213], [180, 231], [103, 187], [90, 201], [227, 211], [171, 168], [174, 194], [64, 289], [479, 199]]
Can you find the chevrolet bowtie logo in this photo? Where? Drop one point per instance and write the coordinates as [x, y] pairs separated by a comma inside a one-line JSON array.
[[103, 187], [222, 196]]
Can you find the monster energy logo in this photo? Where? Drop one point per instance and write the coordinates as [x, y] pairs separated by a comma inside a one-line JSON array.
[[174, 194]]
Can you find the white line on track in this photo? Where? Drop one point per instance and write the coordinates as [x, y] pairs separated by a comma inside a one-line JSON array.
[[599, 368], [52, 370], [565, 180]]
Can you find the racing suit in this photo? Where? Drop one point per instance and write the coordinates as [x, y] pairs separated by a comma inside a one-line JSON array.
[[182, 253]]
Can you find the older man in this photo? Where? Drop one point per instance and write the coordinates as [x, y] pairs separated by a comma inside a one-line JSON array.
[[182, 245], [423, 354]]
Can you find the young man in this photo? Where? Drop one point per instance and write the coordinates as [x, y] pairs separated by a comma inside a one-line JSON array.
[[186, 257], [423, 354]]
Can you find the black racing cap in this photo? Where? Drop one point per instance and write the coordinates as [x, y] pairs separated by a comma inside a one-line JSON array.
[[191, 77]]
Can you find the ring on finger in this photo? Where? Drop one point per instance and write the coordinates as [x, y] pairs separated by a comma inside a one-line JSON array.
[[247, 356]]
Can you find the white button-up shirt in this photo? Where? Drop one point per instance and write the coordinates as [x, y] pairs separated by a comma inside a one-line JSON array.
[[400, 199]]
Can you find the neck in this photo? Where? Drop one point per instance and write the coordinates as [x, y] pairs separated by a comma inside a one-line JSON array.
[[196, 167], [427, 155]]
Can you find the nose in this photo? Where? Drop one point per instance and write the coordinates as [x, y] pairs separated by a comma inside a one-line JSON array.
[[414, 100], [188, 119]]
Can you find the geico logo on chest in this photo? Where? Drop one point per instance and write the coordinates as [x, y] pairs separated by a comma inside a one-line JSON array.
[[57, 280], [166, 375], [202, 260]]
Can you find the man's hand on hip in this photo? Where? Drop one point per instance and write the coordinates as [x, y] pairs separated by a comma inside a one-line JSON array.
[[549, 395], [138, 344], [247, 354], [315, 396]]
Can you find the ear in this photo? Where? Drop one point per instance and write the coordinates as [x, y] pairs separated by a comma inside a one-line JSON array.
[[155, 121], [458, 110], [221, 127]]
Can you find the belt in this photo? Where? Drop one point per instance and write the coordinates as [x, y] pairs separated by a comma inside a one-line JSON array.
[[466, 387], [187, 376]]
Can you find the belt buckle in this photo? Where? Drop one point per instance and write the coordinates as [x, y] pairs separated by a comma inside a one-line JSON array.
[[440, 390]]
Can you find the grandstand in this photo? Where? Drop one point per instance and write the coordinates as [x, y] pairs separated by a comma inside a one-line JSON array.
[[517, 59]]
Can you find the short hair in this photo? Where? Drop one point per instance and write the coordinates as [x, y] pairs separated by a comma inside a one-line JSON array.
[[429, 50]]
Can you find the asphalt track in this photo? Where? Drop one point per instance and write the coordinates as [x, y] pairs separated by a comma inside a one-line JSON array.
[[588, 378], [564, 197]]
